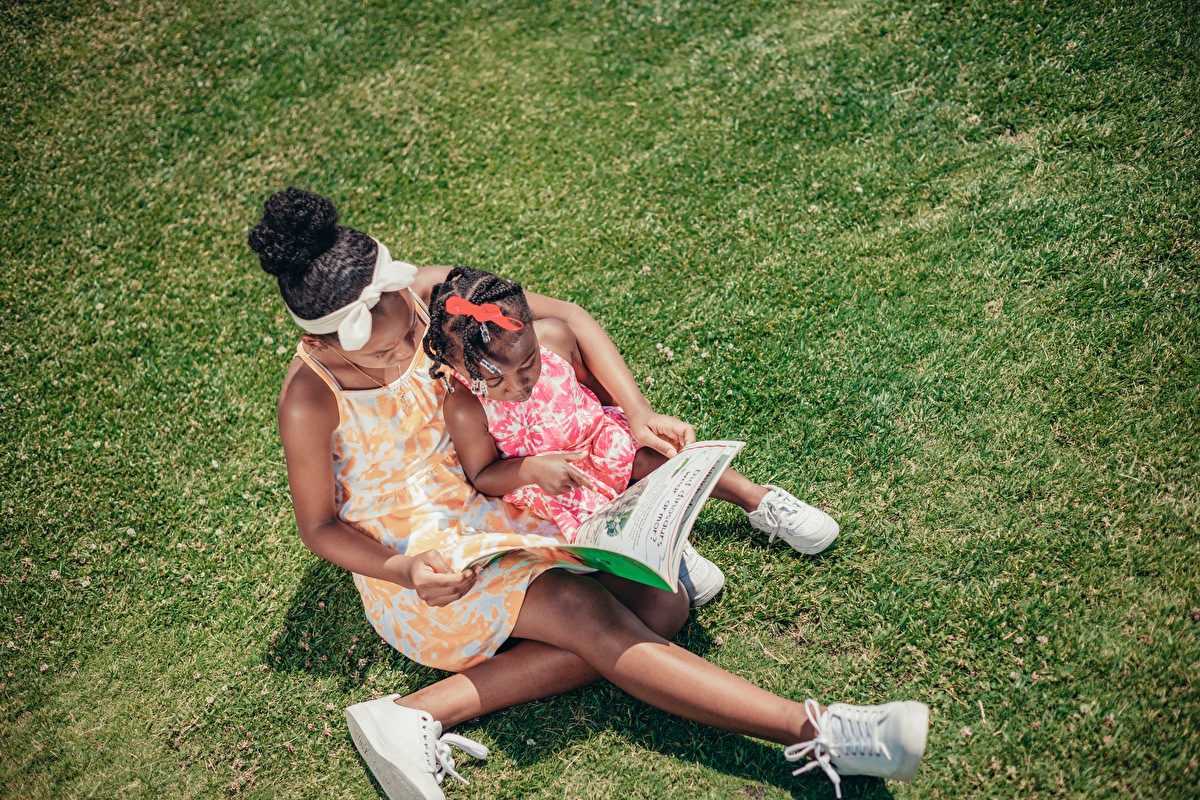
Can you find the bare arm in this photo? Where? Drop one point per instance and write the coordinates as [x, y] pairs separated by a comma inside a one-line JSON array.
[[307, 418], [602, 360]]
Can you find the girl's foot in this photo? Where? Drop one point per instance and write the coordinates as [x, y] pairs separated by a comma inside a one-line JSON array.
[[885, 741], [808, 530], [405, 748]]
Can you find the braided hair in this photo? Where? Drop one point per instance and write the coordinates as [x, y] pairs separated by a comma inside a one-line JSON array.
[[459, 337]]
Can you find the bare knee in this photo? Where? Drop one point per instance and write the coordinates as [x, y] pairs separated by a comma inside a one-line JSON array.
[[578, 603], [667, 616]]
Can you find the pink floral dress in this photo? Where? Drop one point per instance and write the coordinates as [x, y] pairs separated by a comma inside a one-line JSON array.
[[564, 416]]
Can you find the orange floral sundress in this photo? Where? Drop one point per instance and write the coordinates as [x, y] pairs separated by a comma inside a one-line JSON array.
[[398, 481]]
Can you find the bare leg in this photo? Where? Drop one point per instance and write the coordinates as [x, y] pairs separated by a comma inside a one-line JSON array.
[[533, 670], [579, 615], [732, 486]]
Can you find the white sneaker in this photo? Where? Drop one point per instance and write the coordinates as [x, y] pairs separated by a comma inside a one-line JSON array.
[[405, 748], [885, 741], [808, 530], [701, 578]]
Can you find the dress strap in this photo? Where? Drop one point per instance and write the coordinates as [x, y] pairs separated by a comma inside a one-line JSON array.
[[316, 366], [422, 311]]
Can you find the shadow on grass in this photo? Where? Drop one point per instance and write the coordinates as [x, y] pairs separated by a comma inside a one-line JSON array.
[[325, 634]]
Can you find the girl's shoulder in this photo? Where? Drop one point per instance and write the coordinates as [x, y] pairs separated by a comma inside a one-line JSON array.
[[557, 337], [306, 400], [427, 278]]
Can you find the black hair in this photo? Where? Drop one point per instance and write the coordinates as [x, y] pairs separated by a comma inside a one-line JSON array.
[[320, 265], [460, 337]]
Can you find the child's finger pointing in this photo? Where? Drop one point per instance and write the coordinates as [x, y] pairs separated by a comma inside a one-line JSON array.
[[580, 478]]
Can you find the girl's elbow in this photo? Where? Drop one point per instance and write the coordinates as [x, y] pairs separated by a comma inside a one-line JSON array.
[[312, 539]]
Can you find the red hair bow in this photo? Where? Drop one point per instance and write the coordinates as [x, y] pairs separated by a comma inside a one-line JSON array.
[[488, 312]]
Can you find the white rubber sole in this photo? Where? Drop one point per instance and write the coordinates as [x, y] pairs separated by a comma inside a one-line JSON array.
[[917, 716], [819, 547], [399, 778]]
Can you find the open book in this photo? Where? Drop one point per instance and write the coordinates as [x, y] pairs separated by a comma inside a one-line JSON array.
[[641, 533]]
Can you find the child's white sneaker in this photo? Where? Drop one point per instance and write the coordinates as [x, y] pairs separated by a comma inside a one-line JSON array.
[[701, 578], [808, 530], [405, 748], [885, 741]]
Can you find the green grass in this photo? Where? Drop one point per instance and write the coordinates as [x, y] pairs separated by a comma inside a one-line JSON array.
[[943, 261]]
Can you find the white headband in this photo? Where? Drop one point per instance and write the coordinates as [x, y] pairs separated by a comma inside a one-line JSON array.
[[353, 322]]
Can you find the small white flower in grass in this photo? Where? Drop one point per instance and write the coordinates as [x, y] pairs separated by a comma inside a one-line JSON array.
[[268, 340], [705, 354], [280, 350], [1042, 640], [130, 532], [143, 325], [96, 445], [816, 185], [644, 271], [53, 574], [858, 188], [966, 732], [99, 306], [1020, 640], [196, 675], [85, 583], [43, 667], [813, 208], [215, 464], [649, 381], [530, 742]]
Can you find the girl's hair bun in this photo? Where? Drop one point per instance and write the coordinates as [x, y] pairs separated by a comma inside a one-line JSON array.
[[296, 227]]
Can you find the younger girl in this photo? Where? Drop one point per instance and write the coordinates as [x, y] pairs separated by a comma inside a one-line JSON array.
[[533, 430]]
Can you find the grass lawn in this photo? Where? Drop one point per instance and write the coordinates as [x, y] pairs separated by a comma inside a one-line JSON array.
[[936, 262]]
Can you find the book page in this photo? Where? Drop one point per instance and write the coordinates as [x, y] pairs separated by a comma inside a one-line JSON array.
[[650, 521]]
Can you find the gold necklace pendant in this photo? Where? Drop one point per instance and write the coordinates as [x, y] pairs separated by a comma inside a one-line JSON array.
[[402, 396]]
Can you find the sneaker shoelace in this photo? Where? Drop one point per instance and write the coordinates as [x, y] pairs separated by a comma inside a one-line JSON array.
[[853, 732], [445, 761], [775, 514]]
